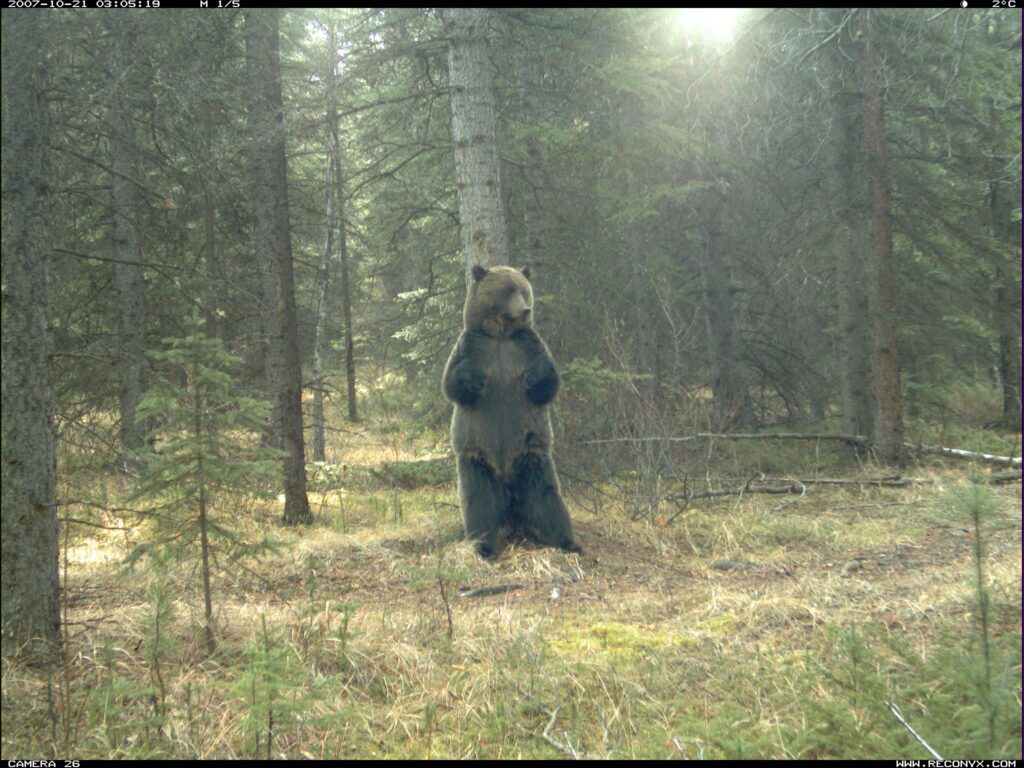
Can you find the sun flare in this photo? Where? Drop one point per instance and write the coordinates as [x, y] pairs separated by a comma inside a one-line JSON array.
[[715, 24]]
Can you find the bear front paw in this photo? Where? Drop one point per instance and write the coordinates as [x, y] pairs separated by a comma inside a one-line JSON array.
[[485, 551], [541, 384], [471, 386], [465, 384]]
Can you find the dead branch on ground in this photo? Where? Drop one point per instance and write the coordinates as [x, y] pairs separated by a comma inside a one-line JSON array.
[[855, 440]]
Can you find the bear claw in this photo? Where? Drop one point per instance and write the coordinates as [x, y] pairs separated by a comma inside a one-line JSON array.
[[485, 551]]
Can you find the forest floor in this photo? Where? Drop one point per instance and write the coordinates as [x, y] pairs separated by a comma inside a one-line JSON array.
[[756, 626]]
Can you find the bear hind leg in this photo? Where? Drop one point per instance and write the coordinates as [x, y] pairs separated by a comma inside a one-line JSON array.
[[483, 501], [538, 505]]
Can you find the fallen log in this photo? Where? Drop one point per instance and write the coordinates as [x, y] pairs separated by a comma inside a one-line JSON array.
[[959, 453], [858, 440], [494, 589], [851, 439], [797, 486], [793, 486]]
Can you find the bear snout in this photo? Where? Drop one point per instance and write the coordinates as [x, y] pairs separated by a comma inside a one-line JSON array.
[[518, 311]]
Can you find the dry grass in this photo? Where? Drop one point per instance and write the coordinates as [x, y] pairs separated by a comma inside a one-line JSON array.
[[642, 647]]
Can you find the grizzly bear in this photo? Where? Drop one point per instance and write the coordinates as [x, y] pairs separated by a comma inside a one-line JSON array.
[[501, 378]]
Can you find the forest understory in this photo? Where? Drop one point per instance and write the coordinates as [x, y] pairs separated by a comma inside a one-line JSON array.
[[749, 278], [773, 626]]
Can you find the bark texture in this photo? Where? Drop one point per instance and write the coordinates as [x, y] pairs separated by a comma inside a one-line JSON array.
[[729, 389], [474, 134], [273, 241], [29, 565], [885, 364], [124, 194]]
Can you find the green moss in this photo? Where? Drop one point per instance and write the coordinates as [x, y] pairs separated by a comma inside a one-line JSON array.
[[615, 642]]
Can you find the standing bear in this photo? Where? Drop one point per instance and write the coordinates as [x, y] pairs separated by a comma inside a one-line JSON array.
[[501, 378]]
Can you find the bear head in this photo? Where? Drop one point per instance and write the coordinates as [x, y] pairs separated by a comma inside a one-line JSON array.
[[500, 301]]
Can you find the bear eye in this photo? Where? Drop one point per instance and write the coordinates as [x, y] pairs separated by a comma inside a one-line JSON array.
[[507, 293]]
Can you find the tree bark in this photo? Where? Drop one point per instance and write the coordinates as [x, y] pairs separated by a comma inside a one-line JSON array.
[[339, 194], [474, 134], [323, 280], [261, 128], [729, 390], [1004, 198], [1008, 322], [851, 240], [273, 241], [324, 273], [888, 415], [346, 294], [130, 279], [29, 564]]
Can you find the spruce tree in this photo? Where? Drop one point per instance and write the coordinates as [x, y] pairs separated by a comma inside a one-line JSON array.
[[207, 454]]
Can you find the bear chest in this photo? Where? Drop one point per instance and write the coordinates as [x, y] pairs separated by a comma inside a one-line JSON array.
[[504, 366], [504, 424]]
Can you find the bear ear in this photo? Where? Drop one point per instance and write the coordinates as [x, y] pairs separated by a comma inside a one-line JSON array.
[[478, 273], [526, 272]]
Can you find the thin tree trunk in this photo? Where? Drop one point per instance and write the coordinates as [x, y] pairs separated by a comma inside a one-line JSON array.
[[346, 289], [1007, 307], [273, 240], [729, 390], [29, 603], [273, 365], [320, 336], [262, 127], [474, 135], [346, 296], [855, 375], [214, 275], [131, 286], [644, 338], [1004, 198], [888, 416], [204, 541], [207, 592]]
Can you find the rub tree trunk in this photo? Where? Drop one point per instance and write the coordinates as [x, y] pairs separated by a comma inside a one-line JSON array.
[[273, 240], [474, 135], [29, 603]]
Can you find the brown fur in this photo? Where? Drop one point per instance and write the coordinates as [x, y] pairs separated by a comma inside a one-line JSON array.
[[501, 378], [491, 309]]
